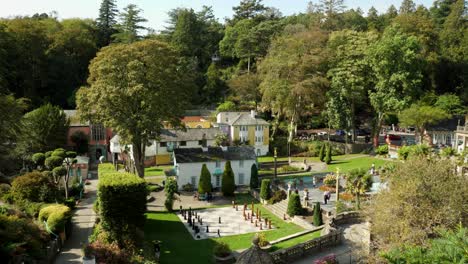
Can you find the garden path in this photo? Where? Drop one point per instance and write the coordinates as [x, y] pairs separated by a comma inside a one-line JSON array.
[[83, 222]]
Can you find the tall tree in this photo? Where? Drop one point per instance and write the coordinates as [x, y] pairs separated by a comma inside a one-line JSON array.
[[130, 24], [396, 62], [358, 182], [331, 10], [106, 21], [440, 10], [245, 88], [215, 87], [247, 9], [293, 76], [135, 88], [44, 129], [391, 12], [407, 6]]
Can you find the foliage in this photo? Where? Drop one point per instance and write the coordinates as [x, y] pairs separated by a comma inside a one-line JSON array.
[[288, 168], [278, 196], [358, 181], [140, 60], [329, 259], [317, 215], [262, 241], [406, 152], [221, 249], [226, 107], [44, 128], [188, 187], [130, 24], [31, 186], [204, 184], [451, 104], [421, 116], [448, 152], [221, 139], [20, 236], [450, 246], [294, 205], [106, 21], [328, 155], [80, 139], [38, 159], [55, 216], [403, 152], [117, 193], [330, 180], [253, 176], [322, 153], [227, 183], [382, 150], [422, 196], [265, 192], [110, 253], [170, 188]]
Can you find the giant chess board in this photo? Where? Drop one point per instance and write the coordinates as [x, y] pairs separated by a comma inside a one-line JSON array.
[[233, 222]]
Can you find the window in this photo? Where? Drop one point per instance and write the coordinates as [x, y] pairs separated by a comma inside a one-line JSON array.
[[227, 119], [183, 143], [97, 132], [193, 180], [200, 142], [243, 128], [163, 144], [258, 128], [241, 164], [241, 179], [218, 180], [218, 164]]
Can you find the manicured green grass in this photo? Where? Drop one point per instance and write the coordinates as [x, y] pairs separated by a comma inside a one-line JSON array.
[[178, 246], [157, 171], [309, 159], [294, 241], [155, 180], [349, 164]]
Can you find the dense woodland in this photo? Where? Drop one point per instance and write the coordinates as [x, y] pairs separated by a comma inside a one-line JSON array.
[[329, 66]]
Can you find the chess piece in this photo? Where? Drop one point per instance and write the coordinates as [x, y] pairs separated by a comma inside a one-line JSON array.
[[257, 212], [219, 220], [256, 223], [261, 226], [251, 219], [233, 204], [252, 206], [190, 221], [245, 206], [219, 235], [284, 216], [180, 208], [207, 231], [201, 221], [269, 224], [185, 217], [248, 215], [236, 208]]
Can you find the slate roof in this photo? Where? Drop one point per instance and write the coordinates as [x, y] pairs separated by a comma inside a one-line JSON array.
[[188, 155], [245, 119], [447, 125], [192, 134]]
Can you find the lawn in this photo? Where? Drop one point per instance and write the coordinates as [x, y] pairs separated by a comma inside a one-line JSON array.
[[349, 164], [309, 159], [178, 246], [157, 171], [294, 241]]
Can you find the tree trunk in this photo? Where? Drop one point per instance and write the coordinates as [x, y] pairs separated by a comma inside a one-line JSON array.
[[290, 137], [378, 126], [358, 201], [139, 158], [421, 132], [65, 180]]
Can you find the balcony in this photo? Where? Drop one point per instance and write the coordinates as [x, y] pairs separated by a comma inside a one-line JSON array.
[[462, 129]]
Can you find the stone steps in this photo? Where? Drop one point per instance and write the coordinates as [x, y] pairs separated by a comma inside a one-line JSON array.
[[279, 209]]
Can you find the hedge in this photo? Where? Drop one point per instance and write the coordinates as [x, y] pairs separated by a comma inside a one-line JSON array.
[[34, 187], [265, 190], [294, 205], [253, 176], [55, 216], [228, 185], [122, 202], [204, 184], [317, 215]]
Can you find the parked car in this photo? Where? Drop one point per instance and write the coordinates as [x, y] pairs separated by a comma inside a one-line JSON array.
[[340, 132], [362, 132], [322, 133]]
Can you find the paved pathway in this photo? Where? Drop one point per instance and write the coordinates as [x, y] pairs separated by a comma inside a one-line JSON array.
[[83, 222]]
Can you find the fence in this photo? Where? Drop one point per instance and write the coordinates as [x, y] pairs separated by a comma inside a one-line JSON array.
[[315, 245]]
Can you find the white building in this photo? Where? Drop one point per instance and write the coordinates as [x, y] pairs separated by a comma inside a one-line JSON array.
[[188, 164]]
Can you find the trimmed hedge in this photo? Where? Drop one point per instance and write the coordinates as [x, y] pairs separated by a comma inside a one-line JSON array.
[[228, 185], [317, 215], [253, 176], [122, 202], [56, 217], [34, 187], [204, 184], [265, 193], [294, 205]]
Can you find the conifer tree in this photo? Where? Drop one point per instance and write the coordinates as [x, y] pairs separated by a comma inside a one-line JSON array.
[[253, 176], [328, 156], [228, 185], [294, 205], [322, 153], [106, 21], [317, 215], [204, 184]]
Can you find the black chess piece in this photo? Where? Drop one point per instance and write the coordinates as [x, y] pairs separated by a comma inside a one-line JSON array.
[[219, 235], [207, 230], [219, 220]]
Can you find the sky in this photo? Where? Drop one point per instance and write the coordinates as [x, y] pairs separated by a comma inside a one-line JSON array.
[[156, 10]]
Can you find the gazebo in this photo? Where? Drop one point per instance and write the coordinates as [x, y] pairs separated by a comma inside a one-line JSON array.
[[255, 255]]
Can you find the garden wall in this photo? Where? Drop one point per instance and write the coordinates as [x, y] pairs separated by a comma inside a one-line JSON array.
[[351, 148]]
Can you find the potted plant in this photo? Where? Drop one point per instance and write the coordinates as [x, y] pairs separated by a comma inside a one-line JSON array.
[[222, 253], [88, 256], [262, 242]]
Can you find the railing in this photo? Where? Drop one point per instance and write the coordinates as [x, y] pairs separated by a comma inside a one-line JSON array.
[[311, 246], [462, 128]]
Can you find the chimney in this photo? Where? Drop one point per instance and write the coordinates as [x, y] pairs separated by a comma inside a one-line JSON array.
[[252, 113]]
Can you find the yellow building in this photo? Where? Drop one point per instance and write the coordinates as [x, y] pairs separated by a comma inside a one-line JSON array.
[[195, 122], [246, 127]]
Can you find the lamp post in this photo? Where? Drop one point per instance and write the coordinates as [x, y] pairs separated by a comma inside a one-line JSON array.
[[275, 157], [337, 184]]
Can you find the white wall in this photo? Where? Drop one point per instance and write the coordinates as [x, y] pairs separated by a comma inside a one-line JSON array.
[[187, 170], [155, 148]]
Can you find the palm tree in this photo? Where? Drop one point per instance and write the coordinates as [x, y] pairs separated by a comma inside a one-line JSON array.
[[358, 181]]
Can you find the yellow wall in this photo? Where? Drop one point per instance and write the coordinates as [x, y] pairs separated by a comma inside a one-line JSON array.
[[236, 133], [266, 135], [203, 124], [163, 159], [251, 135]]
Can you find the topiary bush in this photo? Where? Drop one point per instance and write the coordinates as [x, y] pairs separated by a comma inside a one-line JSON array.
[[253, 176], [265, 192], [317, 215], [122, 203], [204, 184], [221, 249], [228, 184], [34, 187], [294, 205], [322, 153], [328, 155], [170, 189], [278, 196]]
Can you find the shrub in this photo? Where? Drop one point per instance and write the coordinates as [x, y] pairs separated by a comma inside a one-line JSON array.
[[228, 185], [447, 152], [287, 168], [110, 253], [56, 216], [30, 208], [262, 241], [70, 202], [204, 184], [122, 203], [4, 189], [403, 152], [314, 148], [317, 215], [38, 159], [325, 188], [265, 190], [346, 197], [330, 259], [328, 155], [278, 196], [294, 205], [221, 249], [322, 153], [170, 189], [32, 186], [253, 176], [330, 180], [187, 187], [382, 150]]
